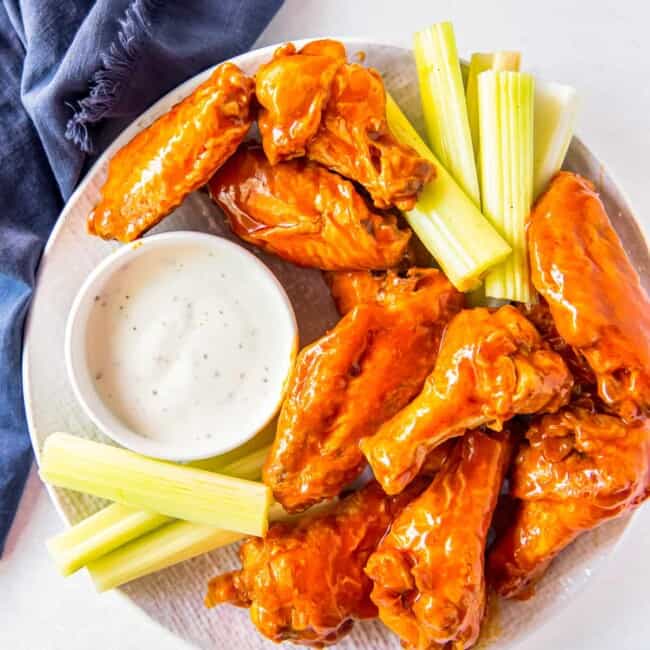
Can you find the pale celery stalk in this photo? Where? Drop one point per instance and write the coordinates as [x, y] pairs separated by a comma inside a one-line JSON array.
[[480, 62], [174, 490], [169, 545], [117, 524], [506, 108], [556, 108], [99, 534], [451, 227], [162, 548], [444, 106]]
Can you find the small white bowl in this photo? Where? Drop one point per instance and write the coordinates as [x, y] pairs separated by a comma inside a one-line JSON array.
[[252, 360]]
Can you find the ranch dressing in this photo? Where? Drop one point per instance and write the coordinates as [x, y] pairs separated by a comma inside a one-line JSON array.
[[181, 346]]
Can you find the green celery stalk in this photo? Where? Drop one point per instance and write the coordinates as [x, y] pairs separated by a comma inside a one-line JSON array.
[[261, 441], [164, 547], [117, 524], [447, 221], [444, 106], [99, 534], [480, 62], [174, 490], [506, 109], [556, 108], [169, 545]]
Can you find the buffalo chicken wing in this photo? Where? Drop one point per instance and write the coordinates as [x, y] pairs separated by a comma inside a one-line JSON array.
[[304, 213], [491, 366], [354, 140], [351, 380], [315, 103], [576, 470], [599, 307], [177, 154], [293, 89], [428, 578], [304, 582]]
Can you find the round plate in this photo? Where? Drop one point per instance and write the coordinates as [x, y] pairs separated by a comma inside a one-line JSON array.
[[174, 597]]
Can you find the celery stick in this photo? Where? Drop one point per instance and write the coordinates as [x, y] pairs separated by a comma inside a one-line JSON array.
[[99, 534], [443, 104], [506, 105], [170, 545], [116, 524], [164, 547], [262, 440], [248, 467], [556, 108], [173, 490], [480, 62], [452, 228]]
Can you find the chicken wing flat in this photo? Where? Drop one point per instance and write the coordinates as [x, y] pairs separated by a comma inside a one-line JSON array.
[[355, 141], [315, 103], [428, 572], [491, 366], [352, 288], [576, 470], [293, 89], [304, 582], [351, 380], [598, 305], [304, 213], [176, 155]]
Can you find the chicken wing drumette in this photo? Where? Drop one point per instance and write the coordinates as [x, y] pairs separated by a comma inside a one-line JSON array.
[[178, 153], [351, 380], [599, 307], [575, 470], [491, 366], [315, 103], [304, 213], [428, 577], [293, 89], [304, 582]]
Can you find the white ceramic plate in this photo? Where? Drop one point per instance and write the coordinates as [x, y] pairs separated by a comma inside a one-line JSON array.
[[174, 597]]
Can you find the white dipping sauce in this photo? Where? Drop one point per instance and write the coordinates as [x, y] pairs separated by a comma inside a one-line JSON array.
[[183, 345]]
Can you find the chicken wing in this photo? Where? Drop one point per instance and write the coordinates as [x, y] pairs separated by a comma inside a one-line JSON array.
[[352, 288], [351, 380], [304, 213], [576, 470], [304, 582], [355, 141], [598, 305], [491, 366], [540, 316], [292, 89], [427, 573], [178, 153], [315, 103]]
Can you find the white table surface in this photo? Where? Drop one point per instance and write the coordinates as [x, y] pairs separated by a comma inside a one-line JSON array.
[[600, 47]]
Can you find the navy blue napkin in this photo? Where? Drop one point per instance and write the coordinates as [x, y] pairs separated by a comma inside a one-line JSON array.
[[73, 74]]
